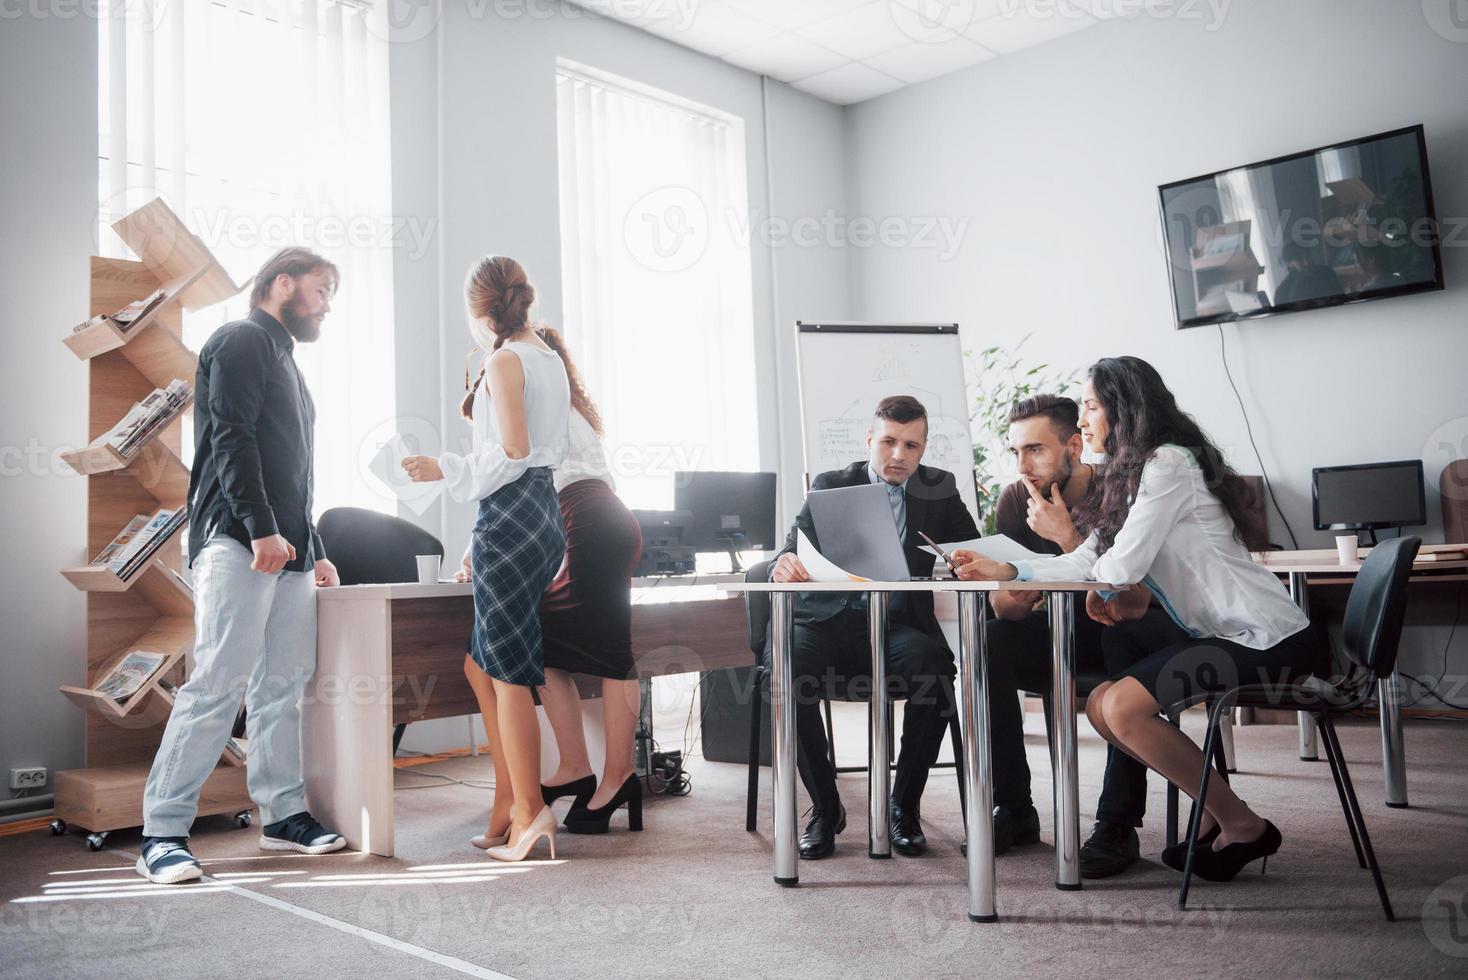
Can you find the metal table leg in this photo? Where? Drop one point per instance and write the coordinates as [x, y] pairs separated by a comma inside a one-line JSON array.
[[1309, 743], [782, 737], [879, 778], [1066, 778], [978, 777], [1393, 748], [1226, 737]]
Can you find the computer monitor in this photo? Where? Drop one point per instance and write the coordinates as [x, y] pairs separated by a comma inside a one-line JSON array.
[[729, 512], [1369, 496]]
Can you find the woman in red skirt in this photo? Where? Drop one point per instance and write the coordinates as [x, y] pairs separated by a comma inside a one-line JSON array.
[[586, 623]]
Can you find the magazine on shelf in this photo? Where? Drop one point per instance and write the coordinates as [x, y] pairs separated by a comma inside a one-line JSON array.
[[238, 749], [121, 541], [130, 674], [145, 542], [145, 418], [129, 314]]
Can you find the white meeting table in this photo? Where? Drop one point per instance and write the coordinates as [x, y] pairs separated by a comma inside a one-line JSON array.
[[973, 714]]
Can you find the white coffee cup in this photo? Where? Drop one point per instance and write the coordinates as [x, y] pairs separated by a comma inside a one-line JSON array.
[[428, 569], [1345, 548]]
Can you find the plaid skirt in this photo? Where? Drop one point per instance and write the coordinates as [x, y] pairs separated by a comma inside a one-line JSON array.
[[518, 545]]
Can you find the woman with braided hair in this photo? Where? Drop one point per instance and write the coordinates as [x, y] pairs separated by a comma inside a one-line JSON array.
[[520, 409]]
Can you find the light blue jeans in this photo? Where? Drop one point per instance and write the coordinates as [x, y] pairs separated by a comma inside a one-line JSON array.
[[254, 638]]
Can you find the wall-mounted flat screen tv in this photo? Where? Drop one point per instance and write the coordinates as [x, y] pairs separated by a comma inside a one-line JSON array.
[[1340, 224]]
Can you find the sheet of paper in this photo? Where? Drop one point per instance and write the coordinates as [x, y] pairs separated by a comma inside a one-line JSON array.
[[818, 566], [997, 547], [387, 466]]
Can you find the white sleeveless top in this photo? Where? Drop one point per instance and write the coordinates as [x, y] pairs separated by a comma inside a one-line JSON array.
[[547, 417], [586, 459]]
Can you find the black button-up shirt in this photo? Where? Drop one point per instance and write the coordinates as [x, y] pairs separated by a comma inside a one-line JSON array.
[[253, 441]]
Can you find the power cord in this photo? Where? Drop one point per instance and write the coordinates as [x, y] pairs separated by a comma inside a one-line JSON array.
[[1269, 487], [665, 776], [1430, 690]]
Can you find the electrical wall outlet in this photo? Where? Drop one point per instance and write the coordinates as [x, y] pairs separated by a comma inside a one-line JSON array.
[[31, 777]]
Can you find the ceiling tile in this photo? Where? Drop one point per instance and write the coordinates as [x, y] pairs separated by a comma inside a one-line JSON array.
[[713, 29], [955, 15], [786, 57], [870, 29], [1012, 32], [790, 14], [920, 62], [849, 84]]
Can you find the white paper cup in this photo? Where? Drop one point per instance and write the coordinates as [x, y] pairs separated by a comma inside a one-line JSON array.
[[428, 569], [1345, 548]]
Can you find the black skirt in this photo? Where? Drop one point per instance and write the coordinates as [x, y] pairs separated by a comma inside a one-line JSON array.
[[1188, 671], [586, 615]]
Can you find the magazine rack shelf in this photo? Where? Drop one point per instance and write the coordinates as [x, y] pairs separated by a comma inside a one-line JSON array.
[[151, 703], [153, 609], [155, 466]]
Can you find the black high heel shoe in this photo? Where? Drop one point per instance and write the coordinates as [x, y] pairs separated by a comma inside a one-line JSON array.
[[1225, 863], [1175, 855], [582, 789], [585, 820]]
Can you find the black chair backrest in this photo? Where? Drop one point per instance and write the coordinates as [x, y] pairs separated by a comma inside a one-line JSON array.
[[757, 608], [369, 548], [1373, 622]]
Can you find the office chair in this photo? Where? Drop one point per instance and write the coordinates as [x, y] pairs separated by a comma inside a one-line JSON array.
[[757, 606], [370, 548], [1370, 633]]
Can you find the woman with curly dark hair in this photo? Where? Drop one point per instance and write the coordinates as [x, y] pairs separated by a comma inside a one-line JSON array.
[[1165, 509]]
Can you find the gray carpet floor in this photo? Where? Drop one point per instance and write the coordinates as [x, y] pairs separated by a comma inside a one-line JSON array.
[[692, 895]]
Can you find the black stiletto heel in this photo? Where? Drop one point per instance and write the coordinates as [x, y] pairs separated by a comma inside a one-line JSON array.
[[582, 789], [585, 820], [1177, 854], [1226, 863]]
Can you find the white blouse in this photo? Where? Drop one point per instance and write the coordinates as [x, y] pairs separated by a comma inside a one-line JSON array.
[[486, 468], [1179, 541], [586, 459]]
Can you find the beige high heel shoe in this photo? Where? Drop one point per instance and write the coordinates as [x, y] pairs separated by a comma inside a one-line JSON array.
[[484, 842], [544, 825]]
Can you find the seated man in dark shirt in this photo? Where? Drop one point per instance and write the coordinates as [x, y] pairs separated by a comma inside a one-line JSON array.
[[1035, 512]]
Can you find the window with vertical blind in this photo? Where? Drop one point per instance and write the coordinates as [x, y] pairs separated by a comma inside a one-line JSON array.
[[656, 277], [264, 123]]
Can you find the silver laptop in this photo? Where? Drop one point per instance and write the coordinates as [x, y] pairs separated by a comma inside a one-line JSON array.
[[857, 531]]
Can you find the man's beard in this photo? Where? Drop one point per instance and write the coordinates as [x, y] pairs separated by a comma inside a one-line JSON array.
[[1062, 476], [304, 328]]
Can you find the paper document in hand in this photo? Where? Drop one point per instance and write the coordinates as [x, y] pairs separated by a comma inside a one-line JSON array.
[[818, 566], [996, 547], [387, 466]]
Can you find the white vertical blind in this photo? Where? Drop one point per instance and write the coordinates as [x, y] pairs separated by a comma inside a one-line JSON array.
[[264, 123], [656, 279]]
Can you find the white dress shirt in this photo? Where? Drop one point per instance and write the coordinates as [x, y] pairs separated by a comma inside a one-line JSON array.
[[586, 459], [1179, 541], [487, 468]]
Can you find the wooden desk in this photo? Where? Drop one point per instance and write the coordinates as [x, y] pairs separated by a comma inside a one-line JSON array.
[[394, 654], [1323, 567]]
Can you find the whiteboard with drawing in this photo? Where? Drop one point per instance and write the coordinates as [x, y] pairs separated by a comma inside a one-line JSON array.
[[846, 368]]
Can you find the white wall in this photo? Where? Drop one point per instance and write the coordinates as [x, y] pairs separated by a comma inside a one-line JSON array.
[[1054, 155], [48, 99], [474, 150], [498, 185]]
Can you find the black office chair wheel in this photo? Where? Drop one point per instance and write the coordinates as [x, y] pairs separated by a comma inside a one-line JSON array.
[[95, 842], [58, 827], [244, 818]]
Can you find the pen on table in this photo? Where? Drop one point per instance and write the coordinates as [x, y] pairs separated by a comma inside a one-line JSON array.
[[947, 559]]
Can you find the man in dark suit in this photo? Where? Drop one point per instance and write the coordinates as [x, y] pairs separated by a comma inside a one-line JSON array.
[[831, 637]]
